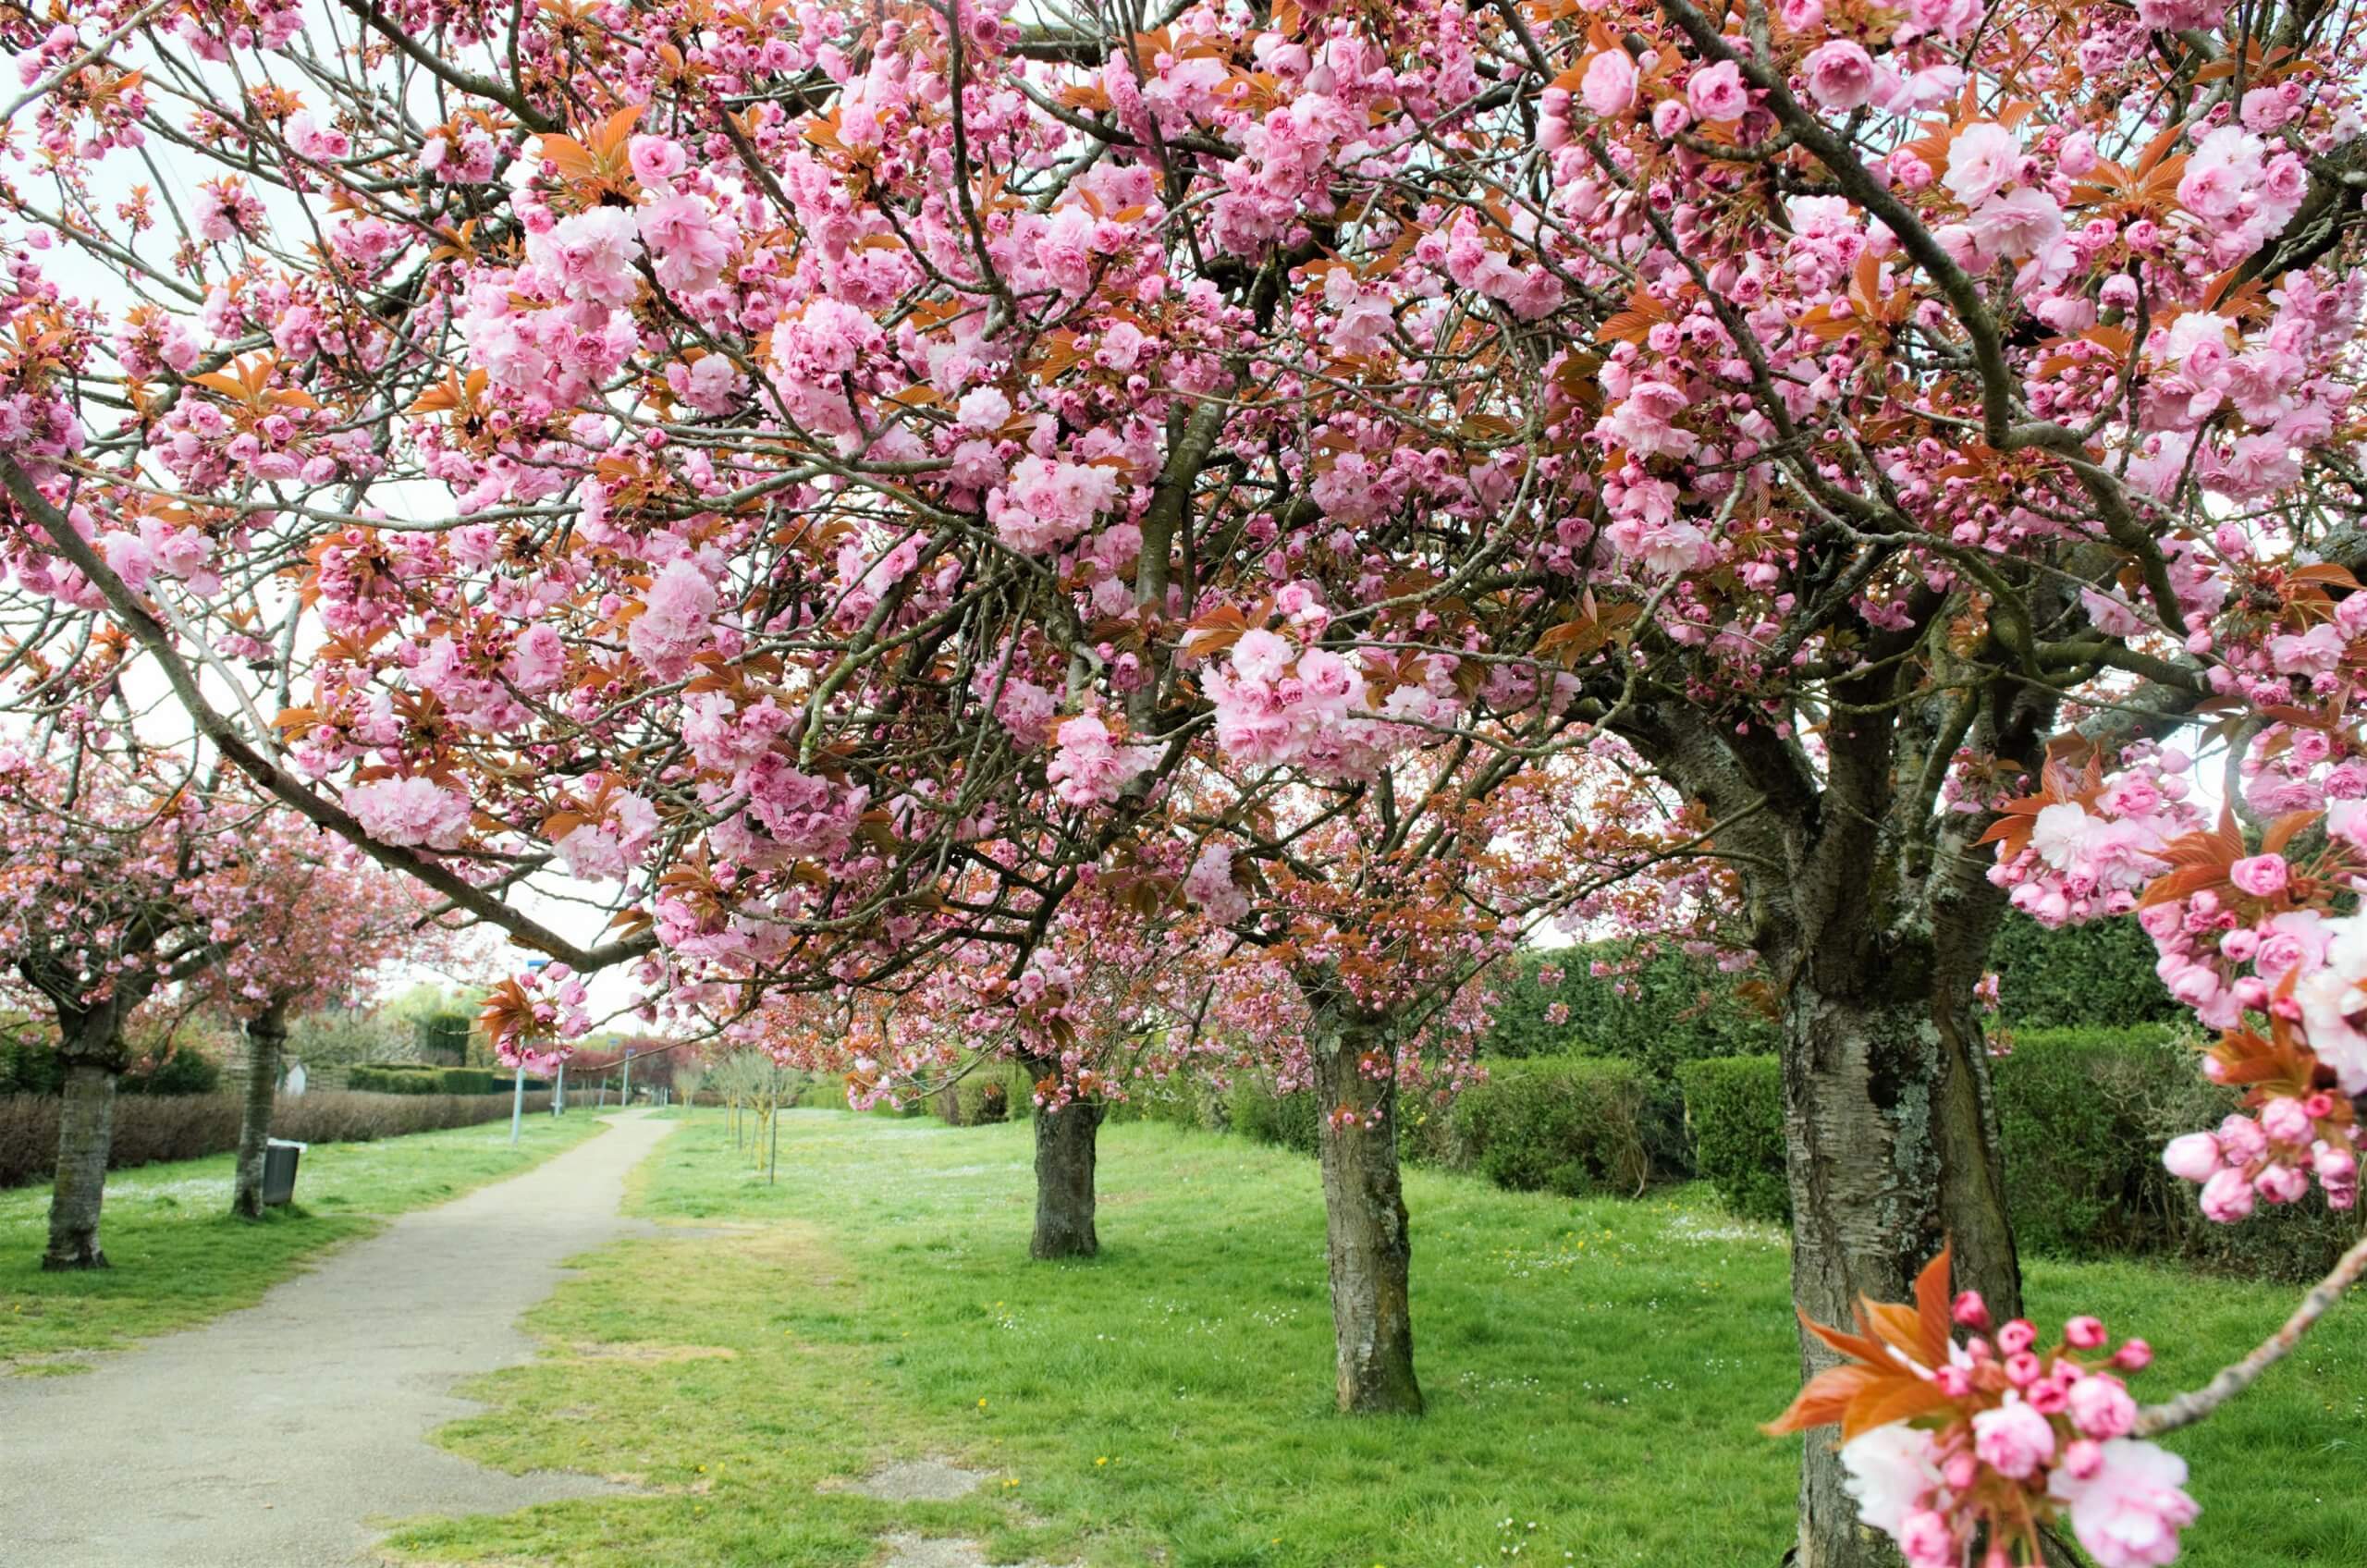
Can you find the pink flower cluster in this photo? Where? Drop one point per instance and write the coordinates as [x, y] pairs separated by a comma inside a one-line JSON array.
[[555, 1012], [2091, 859], [1090, 766], [2271, 1156], [1278, 704], [1045, 503], [413, 812], [607, 847], [2050, 1438]]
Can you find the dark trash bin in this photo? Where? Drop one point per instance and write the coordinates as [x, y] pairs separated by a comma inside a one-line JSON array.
[[279, 1170]]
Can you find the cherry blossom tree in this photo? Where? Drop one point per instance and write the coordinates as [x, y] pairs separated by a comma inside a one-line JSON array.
[[298, 918], [100, 864], [835, 479]]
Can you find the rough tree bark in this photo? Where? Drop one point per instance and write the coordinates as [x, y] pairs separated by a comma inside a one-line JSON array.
[[93, 1057], [1871, 916], [1364, 1210], [1862, 1106], [266, 1038], [1064, 1162]]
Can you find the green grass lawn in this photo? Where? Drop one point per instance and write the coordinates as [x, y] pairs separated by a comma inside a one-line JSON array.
[[179, 1258], [1595, 1372]]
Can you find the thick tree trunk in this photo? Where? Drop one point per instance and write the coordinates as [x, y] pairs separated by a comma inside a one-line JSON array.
[[1364, 1209], [85, 1133], [266, 1035], [1064, 1159], [1892, 1140], [1861, 1091]]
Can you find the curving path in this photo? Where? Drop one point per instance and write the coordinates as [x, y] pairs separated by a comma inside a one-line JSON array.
[[273, 1437]]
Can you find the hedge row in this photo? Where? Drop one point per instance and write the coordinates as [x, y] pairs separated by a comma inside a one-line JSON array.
[[1676, 1010], [30, 1066], [2084, 1114], [188, 1127], [412, 1078], [1566, 1125]]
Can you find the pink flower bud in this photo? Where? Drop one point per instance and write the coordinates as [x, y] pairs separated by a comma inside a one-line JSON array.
[[2084, 1332], [2241, 1141], [2285, 1122], [2193, 1157], [2281, 1183], [2134, 1355], [2023, 1370], [2083, 1459], [2017, 1336], [2227, 1197], [2101, 1407], [1969, 1311]]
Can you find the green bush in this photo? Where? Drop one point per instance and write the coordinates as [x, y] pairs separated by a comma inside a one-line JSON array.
[[2098, 976], [1292, 1121], [1016, 1088], [444, 1038], [183, 1072], [28, 1065], [2084, 1114], [413, 1078], [1681, 1010], [1565, 1124], [1734, 1110]]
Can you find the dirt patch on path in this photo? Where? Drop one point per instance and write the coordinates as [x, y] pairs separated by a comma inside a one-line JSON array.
[[272, 1435]]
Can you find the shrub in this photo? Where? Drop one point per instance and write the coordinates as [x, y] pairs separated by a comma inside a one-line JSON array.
[[156, 1127], [2097, 975], [1734, 1112], [2085, 1113], [444, 1038], [1562, 1124], [1679, 1009], [1257, 1111], [183, 1072], [29, 1064], [413, 1078], [2082, 1114], [996, 1091]]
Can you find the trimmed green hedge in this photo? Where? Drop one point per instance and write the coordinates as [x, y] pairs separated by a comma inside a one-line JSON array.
[[1681, 1010], [2084, 1114], [1563, 1124], [30, 1066], [1734, 1112], [407, 1078]]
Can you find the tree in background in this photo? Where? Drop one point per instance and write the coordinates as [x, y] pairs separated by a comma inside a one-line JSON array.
[[300, 920], [102, 863]]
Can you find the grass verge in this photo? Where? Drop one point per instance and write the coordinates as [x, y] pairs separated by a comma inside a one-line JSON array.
[[1595, 1370], [179, 1258]]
